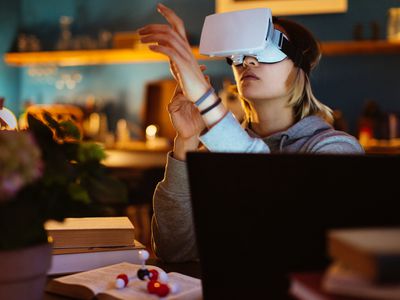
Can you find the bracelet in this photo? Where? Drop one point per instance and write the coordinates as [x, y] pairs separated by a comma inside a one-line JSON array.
[[204, 97], [204, 111]]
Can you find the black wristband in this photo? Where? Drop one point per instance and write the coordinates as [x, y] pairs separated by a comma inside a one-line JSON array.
[[206, 110]]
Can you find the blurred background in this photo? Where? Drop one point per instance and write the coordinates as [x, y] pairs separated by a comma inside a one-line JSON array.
[[85, 53]]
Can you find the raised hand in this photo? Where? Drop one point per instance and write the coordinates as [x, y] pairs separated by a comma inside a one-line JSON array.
[[185, 116], [171, 40]]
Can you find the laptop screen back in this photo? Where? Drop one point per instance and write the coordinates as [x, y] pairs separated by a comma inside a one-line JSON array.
[[259, 217]]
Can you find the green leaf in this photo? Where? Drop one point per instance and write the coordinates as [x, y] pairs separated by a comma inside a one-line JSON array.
[[78, 193], [89, 151], [70, 130]]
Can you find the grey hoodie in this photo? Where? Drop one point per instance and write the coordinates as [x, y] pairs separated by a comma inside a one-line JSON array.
[[173, 236]]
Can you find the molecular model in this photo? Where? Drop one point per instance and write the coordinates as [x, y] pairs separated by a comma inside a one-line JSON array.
[[157, 281]]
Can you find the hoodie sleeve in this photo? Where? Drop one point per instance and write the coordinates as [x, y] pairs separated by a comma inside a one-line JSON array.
[[173, 237], [229, 136], [335, 142]]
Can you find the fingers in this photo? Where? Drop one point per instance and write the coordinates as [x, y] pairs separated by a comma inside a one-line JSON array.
[[167, 40], [164, 35], [170, 52], [162, 28], [172, 19]]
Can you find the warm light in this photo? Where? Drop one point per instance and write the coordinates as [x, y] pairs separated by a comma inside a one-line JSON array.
[[94, 124], [151, 131]]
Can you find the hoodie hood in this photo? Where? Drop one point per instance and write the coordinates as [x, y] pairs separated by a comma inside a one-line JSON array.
[[295, 136]]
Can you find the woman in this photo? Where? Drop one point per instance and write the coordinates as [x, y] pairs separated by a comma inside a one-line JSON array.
[[282, 115]]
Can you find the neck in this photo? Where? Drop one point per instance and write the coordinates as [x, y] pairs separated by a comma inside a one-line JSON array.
[[270, 116]]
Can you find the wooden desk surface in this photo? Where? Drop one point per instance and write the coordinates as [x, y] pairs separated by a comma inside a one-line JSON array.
[[135, 159]]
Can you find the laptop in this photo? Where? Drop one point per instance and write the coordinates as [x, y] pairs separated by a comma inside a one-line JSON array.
[[260, 217]]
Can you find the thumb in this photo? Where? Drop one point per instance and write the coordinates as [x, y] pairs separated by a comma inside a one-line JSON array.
[[178, 90]]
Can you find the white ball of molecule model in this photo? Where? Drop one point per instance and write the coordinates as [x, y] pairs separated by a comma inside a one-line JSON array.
[[144, 255]]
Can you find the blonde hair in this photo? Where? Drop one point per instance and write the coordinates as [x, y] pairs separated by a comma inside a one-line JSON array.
[[301, 96], [304, 102]]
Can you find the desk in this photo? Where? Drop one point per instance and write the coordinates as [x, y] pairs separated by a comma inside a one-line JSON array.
[[190, 268], [135, 159], [139, 170]]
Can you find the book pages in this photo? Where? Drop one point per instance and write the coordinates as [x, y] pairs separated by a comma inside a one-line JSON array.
[[189, 289], [101, 282]]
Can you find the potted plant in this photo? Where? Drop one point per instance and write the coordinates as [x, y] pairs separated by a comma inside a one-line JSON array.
[[47, 172]]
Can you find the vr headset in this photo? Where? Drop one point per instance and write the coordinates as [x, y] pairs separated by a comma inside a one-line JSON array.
[[250, 32]]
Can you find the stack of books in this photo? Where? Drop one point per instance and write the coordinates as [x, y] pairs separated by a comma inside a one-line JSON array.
[[365, 265], [81, 244]]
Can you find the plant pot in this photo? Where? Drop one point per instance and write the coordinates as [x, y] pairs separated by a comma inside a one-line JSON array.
[[24, 271]]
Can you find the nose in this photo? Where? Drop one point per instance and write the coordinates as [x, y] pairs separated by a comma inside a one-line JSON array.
[[250, 61]]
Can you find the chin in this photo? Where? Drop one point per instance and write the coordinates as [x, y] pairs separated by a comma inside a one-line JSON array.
[[251, 94]]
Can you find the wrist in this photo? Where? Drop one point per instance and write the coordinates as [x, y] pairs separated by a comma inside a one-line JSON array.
[[200, 91], [183, 145], [215, 115]]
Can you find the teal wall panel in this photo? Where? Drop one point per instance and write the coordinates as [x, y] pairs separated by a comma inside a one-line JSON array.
[[343, 82], [9, 77]]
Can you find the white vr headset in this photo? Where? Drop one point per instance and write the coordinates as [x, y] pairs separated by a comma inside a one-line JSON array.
[[250, 32]]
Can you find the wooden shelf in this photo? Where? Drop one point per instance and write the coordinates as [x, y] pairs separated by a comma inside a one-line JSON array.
[[360, 48], [125, 56], [88, 57]]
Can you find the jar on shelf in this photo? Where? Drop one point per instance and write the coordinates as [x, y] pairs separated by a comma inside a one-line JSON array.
[[393, 26]]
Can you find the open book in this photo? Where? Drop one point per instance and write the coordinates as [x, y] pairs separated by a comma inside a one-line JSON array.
[[100, 283]]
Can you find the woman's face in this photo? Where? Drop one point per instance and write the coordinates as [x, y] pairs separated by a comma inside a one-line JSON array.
[[260, 81]]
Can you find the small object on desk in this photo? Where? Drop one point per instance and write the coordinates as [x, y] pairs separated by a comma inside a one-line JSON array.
[[153, 274], [157, 279], [121, 281], [144, 255], [143, 274], [158, 288], [98, 283]]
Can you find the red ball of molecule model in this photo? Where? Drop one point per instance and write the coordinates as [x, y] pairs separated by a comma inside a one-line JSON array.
[[157, 280]]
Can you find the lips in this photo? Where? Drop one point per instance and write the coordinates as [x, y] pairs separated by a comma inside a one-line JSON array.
[[249, 76]]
